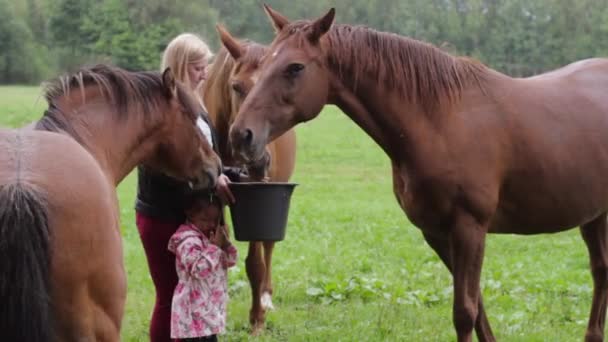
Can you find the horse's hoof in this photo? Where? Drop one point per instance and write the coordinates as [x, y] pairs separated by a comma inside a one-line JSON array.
[[266, 301], [257, 329]]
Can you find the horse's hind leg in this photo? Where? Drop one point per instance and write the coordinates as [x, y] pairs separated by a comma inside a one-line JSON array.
[[89, 307], [267, 288], [482, 325], [256, 269], [595, 235]]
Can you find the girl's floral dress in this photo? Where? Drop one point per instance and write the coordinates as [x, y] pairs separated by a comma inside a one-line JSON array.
[[201, 294]]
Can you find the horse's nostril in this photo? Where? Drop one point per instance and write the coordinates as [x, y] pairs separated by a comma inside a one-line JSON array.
[[242, 141], [247, 137]]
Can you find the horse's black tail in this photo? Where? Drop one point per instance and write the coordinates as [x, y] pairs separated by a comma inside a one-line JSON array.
[[25, 309]]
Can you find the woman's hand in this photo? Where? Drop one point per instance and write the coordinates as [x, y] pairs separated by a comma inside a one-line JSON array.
[[223, 190]]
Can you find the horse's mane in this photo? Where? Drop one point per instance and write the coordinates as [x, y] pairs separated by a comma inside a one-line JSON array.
[[423, 73], [138, 92], [216, 90], [122, 88], [253, 53]]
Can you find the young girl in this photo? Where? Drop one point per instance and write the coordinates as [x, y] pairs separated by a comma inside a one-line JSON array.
[[203, 255]]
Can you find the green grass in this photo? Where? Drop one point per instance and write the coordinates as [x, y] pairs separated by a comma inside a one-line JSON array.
[[352, 268]]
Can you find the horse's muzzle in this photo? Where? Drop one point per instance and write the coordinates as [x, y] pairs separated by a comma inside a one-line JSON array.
[[207, 180], [258, 170]]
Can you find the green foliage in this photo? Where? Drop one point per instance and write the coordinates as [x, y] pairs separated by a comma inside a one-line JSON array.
[[362, 287], [518, 37], [110, 34], [21, 58], [65, 23], [152, 42]]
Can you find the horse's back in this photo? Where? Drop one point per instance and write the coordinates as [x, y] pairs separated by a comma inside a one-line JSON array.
[[81, 205], [48, 160], [592, 65], [582, 81]]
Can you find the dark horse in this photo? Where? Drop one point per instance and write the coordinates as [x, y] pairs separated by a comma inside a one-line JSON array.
[[473, 151], [62, 275], [231, 76]]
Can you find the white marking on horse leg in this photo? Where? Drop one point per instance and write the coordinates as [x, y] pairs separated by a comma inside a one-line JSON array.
[[266, 301]]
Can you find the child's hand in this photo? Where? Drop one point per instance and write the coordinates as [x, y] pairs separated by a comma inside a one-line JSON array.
[[225, 236], [220, 237]]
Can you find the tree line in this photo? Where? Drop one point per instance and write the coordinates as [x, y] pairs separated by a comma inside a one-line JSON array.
[[41, 38]]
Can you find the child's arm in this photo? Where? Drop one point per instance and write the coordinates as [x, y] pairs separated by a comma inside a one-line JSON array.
[[230, 253], [199, 260]]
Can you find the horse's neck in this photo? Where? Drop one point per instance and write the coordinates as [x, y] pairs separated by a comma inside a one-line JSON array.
[[388, 121], [394, 111], [118, 145]]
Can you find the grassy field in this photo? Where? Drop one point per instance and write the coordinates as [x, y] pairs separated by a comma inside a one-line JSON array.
[[352, 268]]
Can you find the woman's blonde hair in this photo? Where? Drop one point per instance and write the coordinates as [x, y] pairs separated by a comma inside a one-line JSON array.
[[182, 50]]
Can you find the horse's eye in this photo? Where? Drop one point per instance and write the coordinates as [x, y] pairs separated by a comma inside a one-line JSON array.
[[294, 69], [238, 88]]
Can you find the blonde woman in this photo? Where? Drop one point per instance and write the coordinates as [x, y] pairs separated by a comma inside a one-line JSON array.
[[160, 199], [188, 56]]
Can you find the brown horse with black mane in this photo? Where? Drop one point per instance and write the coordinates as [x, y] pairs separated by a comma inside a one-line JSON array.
[[473, 151], [231, 76], [61, 265]]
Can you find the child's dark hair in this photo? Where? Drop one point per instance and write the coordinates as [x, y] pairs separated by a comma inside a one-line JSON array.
[[203, 197]]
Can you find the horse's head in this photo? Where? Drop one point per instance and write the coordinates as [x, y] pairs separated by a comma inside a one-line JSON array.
[[292, 85], [183, 152], [231, 77], [243, 72]]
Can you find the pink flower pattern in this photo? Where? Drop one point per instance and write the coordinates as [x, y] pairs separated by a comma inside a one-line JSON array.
[[201, 295]]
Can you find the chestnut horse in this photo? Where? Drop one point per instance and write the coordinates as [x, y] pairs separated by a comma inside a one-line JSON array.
[[473, 151], [62, 275], [230, 78]]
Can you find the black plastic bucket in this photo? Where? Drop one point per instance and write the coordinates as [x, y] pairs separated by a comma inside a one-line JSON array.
[[261, 210]]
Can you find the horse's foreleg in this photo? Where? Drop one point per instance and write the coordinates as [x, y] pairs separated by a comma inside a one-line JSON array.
[[595, 235], [267, 288], [482, 325], [254, 265], [467, 242]]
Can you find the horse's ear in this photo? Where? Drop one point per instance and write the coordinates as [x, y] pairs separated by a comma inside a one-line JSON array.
[[322, 25], [169, 83], [277, 20], [232, 45]]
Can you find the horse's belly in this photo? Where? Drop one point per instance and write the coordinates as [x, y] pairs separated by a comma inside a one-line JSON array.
[[550, 211], [533, 205], [529, 223]]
